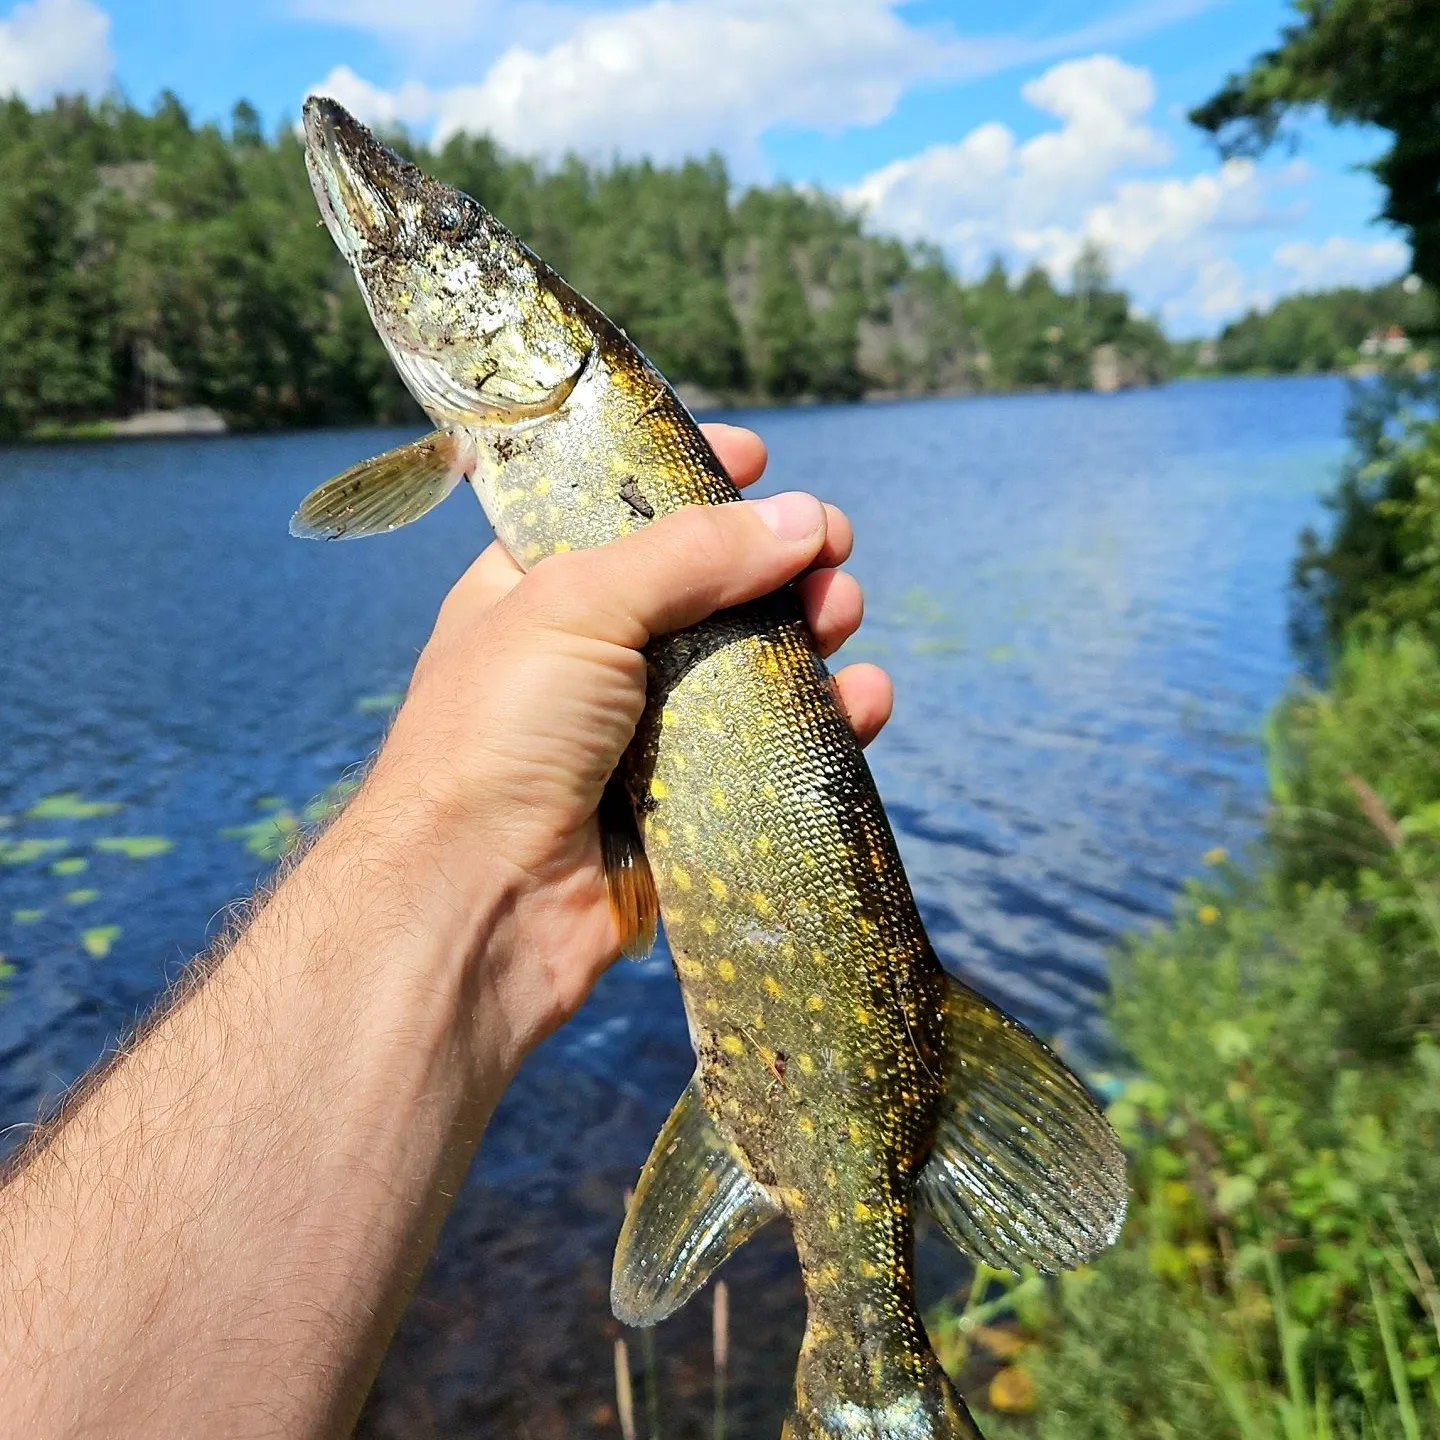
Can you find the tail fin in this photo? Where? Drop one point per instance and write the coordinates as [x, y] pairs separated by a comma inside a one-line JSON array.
[[842, 1395]]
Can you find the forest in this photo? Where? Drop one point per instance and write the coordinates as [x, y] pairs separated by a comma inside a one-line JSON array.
[[1325, 331], [147, 261]]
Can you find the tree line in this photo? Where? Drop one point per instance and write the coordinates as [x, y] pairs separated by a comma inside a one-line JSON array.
[[1327, 330], [147, 261]]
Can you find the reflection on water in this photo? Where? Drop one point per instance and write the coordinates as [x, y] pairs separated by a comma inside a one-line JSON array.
[[1080, 598]]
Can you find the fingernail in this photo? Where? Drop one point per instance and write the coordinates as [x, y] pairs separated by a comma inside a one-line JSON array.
[[792, 516]]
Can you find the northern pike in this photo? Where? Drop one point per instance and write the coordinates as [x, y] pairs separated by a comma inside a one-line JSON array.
[[842, 1077]]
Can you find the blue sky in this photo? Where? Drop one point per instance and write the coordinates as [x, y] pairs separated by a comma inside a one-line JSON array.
[[1022, 129]]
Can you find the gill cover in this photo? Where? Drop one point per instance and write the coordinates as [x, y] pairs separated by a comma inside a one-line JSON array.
[[469, 316]]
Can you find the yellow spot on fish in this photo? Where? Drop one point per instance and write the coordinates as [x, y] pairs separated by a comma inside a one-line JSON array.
[[819, 956], [529, 518], [532, 551], [802, 905], [807, 1064], [867, 1267], [659, 789], [562, 547], [806, 1127], [690, 969], [681, 876], [831, 1178], [712, 1006], [816, 1002], [863, 925], [794, 1198], [725, 970], [862, 1015], [583, 499], [769, 791], [832, 1219], [718, 799], [856, 1133], [762, 844], [772, 987], [732, 1044], [542, 485], [718, 888], [761, 903], [658, 835], [707, 924], [679, 761], [862, 1210]]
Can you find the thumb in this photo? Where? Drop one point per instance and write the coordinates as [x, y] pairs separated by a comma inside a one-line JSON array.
[[680, 569]]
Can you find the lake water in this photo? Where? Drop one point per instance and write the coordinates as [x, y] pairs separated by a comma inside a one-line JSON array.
[[1081, 599]]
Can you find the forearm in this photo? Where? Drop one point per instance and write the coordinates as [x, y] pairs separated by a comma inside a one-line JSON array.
[[222, 1236]]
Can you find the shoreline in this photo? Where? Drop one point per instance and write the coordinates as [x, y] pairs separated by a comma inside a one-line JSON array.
[[192, 422]]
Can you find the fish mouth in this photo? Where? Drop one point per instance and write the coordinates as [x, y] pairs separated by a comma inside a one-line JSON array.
[[359, 184]]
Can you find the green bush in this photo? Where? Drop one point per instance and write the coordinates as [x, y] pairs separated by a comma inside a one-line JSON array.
[[1277, 1273]]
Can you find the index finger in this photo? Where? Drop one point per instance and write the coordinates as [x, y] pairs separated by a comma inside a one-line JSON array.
[[741, 451]]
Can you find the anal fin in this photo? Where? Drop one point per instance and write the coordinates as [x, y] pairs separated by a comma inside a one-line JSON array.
[[382, 494], [634, 902], [1025, 1169], [695, 1204]]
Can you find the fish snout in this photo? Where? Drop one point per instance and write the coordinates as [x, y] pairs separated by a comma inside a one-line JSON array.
[[358, 182]]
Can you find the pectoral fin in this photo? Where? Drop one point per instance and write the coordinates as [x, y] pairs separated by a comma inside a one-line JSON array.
[[380, 495], [694, 1204], [1025, 1169]]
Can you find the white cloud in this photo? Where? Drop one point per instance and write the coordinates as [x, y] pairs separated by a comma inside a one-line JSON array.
[[1168, 239], [668, 78], [1339, 260], [411, 105], [679, 77], [51, 47], [989, 192]]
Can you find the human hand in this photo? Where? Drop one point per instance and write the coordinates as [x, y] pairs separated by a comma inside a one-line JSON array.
[[524, 701]]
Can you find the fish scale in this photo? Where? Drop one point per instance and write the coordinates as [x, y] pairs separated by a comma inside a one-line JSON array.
[[842, 1078]]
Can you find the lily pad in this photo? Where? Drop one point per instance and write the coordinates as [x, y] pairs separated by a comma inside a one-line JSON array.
[[71, 805], [81, 897], [266, 838], [70, 865], [136, 847], [98, 940], [379, 704], [24, 852], [321, 806], [26, 917], [937, 645]]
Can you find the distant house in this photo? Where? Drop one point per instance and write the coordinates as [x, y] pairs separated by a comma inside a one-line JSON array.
[[1390, 341]]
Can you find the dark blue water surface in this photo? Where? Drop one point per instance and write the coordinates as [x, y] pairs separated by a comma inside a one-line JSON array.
[[1081, 599]]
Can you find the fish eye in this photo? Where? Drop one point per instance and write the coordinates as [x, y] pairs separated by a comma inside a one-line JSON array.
[[453, 219]]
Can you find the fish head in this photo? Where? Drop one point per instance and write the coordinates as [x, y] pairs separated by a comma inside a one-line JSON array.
[[478, 326]]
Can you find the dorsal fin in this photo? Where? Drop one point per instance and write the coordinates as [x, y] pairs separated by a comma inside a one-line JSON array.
[[382, 494], [694, 1204], [1025, 1168]]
